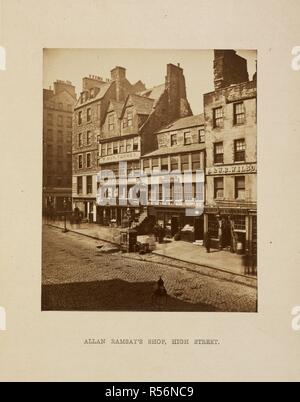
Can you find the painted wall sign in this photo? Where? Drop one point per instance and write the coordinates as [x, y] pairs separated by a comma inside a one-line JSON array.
[[231, 169]]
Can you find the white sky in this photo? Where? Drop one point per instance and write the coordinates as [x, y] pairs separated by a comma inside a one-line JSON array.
[[149, 66]]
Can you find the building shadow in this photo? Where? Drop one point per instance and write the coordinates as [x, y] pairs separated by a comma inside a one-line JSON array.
[[111, 295]]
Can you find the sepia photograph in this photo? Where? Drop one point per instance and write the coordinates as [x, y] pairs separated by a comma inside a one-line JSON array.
[[149, 180]]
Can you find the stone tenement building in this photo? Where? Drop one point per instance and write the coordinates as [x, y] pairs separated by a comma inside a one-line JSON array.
[[128, 133], [230, 129], [58, 106], [181, 148], [89, 115]]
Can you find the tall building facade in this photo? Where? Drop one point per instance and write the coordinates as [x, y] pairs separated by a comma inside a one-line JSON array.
[[231, 170], [89, 115], [181, 148], [58, 106], [129, 132]]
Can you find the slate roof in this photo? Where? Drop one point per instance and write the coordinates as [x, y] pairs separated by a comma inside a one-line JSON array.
[[103, 89], [154, 93], [142, 104], [174, 150], [117, 107], [184, 122]]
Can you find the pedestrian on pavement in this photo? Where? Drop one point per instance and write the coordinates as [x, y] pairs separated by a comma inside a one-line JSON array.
[[208, 242], [156, 232]]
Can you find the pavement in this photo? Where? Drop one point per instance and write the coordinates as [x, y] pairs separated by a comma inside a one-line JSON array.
[[78, 276], [176, 250]]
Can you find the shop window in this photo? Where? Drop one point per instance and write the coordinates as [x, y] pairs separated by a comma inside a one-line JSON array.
[[239, 113], [218, 117], [218, 187], [239, 150], [239, 222], [240, 187], [213, 226], [218, 152]]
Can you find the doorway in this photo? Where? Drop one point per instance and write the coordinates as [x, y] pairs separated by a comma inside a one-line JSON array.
[[174, 225]]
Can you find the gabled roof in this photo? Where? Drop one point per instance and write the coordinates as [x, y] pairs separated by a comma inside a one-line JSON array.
[[184, 122], [154, 93], [142, 104], [103, 89], [116, 106]]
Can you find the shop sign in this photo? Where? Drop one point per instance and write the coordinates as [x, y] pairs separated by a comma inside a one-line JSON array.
[[120, 157], [232, 169]]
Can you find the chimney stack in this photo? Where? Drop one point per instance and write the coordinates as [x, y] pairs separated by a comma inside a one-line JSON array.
[[229, 68], [118, 74], [60, 85], [176, 88]]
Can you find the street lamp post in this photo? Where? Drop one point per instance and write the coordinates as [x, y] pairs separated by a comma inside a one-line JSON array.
[[65, 230]]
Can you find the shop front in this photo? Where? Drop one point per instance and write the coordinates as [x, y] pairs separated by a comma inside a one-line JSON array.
[[87, 208], [177, 223], [118, 216], [232, 229]]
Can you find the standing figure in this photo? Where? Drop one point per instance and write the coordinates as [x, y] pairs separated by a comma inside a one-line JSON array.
[[208, 242]]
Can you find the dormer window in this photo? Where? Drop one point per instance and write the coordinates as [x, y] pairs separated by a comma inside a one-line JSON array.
[[111, 122], [129, 118]]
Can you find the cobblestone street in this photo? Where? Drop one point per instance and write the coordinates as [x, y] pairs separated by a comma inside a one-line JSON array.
[[79, 276]]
